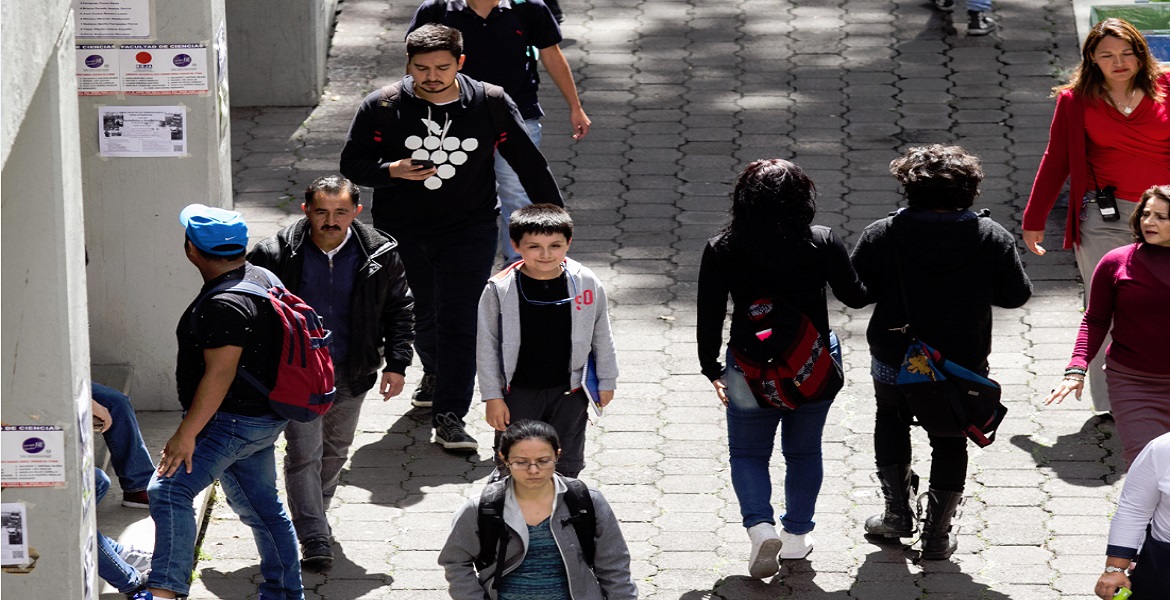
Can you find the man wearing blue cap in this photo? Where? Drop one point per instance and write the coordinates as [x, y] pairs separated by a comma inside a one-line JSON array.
[[228, 431]]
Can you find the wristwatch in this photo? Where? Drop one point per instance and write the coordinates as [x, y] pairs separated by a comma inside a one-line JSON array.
[[1113, 569]]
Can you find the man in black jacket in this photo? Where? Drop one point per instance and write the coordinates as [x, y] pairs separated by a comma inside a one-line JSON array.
[[427, 147], [351, 274]]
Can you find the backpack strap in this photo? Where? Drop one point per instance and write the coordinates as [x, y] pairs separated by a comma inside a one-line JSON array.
[[386, 113], [582, 517], [493, 533], [501, 116]]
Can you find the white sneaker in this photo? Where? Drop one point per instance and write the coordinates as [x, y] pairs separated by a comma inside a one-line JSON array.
[[137, 558], [795, 547], [765, 545]]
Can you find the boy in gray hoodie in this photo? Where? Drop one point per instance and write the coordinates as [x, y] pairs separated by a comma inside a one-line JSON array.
[[543, 326]]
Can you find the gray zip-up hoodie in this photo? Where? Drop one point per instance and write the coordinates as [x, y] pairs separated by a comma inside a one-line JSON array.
[[498, 331], [609, 580]]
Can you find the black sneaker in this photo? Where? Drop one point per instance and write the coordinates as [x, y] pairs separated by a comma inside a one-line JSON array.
[[316, 554], [450, 433], [980, 24], [945, 5], [424, 396]]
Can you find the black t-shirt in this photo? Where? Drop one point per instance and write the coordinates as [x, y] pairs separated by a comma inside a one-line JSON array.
[[231, 319], [546, 332]]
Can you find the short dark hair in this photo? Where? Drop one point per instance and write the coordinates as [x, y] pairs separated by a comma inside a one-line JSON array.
[[938, 177], [215, 257], [528, 429], [433, 38], [1160, 192], [540, 219], [332, 185]]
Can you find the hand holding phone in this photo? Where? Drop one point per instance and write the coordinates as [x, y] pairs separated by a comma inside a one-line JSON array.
[[419, 163]]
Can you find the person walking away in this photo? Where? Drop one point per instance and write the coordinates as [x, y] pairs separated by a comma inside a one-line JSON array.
[[947, 266]]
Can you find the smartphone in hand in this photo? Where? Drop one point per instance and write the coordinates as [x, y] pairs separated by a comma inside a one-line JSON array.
[[425, 164]]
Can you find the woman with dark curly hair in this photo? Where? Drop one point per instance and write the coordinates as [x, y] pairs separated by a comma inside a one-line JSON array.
[[1129, 295], [1110, 131], [770, 249], [949, 266]]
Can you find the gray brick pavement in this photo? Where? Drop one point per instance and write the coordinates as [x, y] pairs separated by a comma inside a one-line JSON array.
[[683, 93]]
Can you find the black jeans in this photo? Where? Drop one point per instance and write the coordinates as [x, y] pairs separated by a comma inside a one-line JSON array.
[[891, 442], [447, 273]]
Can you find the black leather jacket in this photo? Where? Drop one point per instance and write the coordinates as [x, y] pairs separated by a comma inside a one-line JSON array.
[[382, 312]]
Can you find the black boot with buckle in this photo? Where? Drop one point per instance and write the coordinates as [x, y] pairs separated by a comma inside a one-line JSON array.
[[899, 485], [938, 543]]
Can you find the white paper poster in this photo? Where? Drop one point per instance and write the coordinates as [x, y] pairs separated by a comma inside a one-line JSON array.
[[33, 456], [142, 131], [163, 69], [97, 70], [106, 19], [14, 546]]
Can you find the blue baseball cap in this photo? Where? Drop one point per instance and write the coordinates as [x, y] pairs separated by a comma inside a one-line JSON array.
[[215, 230]]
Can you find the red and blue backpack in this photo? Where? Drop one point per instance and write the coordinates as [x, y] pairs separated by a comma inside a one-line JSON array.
[[304, 388]]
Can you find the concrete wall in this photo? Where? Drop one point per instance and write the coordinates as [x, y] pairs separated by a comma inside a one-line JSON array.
[[278, 61], [139, 279], [45, 357], [30, 32]]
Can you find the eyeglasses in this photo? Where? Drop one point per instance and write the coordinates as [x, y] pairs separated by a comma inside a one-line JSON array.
[[572, 282], [541, 465]]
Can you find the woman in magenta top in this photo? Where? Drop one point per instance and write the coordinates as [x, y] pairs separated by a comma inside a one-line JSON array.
[[1111, 129], [1131, 293]]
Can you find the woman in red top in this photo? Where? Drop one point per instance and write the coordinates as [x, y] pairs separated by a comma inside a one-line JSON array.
[[1111, 131], [1130, 294]]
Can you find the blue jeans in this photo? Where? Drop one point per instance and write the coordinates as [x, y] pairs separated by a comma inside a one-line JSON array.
[[128, 453], [239, 451], [446, 273], [751, 435], [511, 193], [979, 5], [111, 567]]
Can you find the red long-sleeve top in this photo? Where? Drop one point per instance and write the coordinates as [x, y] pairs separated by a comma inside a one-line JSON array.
[[1131, 291], [1131, 153]]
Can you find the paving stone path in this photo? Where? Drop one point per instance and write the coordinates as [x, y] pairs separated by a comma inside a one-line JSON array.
[[683, 93]]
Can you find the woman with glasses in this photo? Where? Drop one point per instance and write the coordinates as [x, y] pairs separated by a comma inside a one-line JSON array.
[[1111, 135], [770, 249], [543, 555]]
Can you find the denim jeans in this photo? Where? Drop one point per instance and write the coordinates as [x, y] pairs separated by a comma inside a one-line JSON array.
[[111, 567], [316, 453], [751, 436], [979, 5], [446, 273], [128, 453], [239, 451], [511, 193]]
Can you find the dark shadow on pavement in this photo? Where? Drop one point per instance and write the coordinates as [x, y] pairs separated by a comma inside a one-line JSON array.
[[1089, 457], [395, 468], [885, 573], [795, 580]]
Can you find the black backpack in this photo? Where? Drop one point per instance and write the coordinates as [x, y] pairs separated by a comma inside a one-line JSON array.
[[493, 533]]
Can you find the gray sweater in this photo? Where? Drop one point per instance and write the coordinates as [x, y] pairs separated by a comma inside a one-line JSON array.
[[610, 579], [498, 331]]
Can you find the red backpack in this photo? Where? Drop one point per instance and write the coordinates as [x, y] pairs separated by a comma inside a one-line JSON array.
[[788, 363], [304, 387]]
